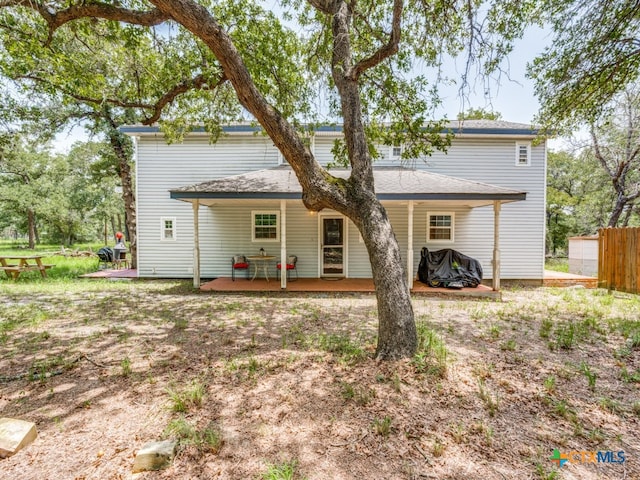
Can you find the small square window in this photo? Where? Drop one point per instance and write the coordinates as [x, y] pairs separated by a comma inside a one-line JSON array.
[[440, 227], [523, 154], [265, 226], [168, 228], [396, 151]]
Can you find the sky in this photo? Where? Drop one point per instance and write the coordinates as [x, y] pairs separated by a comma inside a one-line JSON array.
[[512, 94]]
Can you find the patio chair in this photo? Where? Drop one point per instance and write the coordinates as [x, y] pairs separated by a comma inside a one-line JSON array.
[[239, 262], [292, 261]]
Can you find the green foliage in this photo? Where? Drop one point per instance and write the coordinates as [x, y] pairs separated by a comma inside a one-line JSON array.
[[361, 395], [579, 198], [67, 268], [209, 439], [125, 364], [432, 355], [382, 426], [592, 57], [491, 401], [282, 471], [185, 398], [479, 114], [590, 375], [348, 350], [57, 193]]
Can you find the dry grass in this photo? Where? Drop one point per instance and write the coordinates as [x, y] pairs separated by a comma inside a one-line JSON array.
[[287, 386]]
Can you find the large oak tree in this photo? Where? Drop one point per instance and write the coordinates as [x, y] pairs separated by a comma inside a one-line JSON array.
[[360, 55]]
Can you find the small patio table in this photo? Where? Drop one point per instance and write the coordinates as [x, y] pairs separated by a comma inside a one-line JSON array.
[[261, 261]]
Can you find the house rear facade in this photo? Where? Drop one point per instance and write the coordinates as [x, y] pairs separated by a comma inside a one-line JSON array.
[[237, 196]]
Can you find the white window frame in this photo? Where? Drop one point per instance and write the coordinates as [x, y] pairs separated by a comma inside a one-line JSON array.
[[253, 226], [281, 159], [163, 236], [392, 151], [452, 228], [519, 145]]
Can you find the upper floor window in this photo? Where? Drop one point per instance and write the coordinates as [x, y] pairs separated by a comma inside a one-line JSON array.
[[440, 227], [168, 228], [265, 226], [523, 153]]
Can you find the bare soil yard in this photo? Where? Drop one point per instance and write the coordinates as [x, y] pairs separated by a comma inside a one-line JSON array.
[[266, 386]]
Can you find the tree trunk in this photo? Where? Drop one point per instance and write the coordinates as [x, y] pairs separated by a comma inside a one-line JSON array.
[[627, 215], [396, 326], [31, 221], [354, 197], [120, 145], [621, 201]]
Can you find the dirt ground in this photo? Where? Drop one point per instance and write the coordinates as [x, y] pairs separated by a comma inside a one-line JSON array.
[[258, 385]]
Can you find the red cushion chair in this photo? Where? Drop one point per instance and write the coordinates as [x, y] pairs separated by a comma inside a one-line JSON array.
[[292, 260], [239, 262]]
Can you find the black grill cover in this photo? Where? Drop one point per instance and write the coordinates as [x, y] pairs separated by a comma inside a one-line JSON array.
[[448, 266], [105, 254]]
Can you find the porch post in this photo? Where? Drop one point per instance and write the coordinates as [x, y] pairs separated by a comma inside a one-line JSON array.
[[283, 244], [496, 245], [410, 245], [196, 244]]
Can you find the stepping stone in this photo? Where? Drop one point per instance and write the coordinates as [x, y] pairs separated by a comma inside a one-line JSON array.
[[15, 435], [154, 455]]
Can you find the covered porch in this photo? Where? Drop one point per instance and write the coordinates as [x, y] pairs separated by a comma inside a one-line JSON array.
[[401, 187], [343, 285]]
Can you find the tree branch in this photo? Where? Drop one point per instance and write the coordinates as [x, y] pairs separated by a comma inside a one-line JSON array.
[[598, 154], [55, 19], [82, 98], [198, 82], [199, 21], [387, 50], [325, 6]]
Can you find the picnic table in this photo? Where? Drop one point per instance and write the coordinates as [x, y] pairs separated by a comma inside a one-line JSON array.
[[14, 265]]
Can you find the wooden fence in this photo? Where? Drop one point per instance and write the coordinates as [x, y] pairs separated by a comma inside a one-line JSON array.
[[619, 259]]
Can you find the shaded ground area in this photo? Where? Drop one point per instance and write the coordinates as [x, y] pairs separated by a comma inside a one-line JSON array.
[[255, 384]]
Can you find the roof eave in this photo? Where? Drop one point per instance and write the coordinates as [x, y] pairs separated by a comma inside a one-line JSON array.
[[504, 197]]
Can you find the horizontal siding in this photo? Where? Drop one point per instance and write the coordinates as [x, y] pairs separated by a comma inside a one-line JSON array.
[[161, 167], [225, 230]]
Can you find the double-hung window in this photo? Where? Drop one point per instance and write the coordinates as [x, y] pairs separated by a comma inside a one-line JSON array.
[[168, 228], [395, 151], [265, 226], [440, 227]]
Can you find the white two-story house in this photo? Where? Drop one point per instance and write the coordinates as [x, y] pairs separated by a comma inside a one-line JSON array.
[[484, 197]]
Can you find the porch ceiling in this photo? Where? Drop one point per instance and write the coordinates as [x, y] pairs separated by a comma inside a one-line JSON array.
[[392, 184]]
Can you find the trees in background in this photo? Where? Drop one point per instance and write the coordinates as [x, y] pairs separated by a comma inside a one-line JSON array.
[[594, 55], [53, 196], [108, 75], [615, 144], [577, 202], [597, 185]]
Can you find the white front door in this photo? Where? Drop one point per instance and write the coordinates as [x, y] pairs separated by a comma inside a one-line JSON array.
[[333, 238]]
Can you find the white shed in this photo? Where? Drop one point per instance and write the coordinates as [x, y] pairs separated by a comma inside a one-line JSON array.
[[583, 256]]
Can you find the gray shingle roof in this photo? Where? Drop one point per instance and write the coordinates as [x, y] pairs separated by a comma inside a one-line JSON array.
[[473, 127], [391, 183]]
